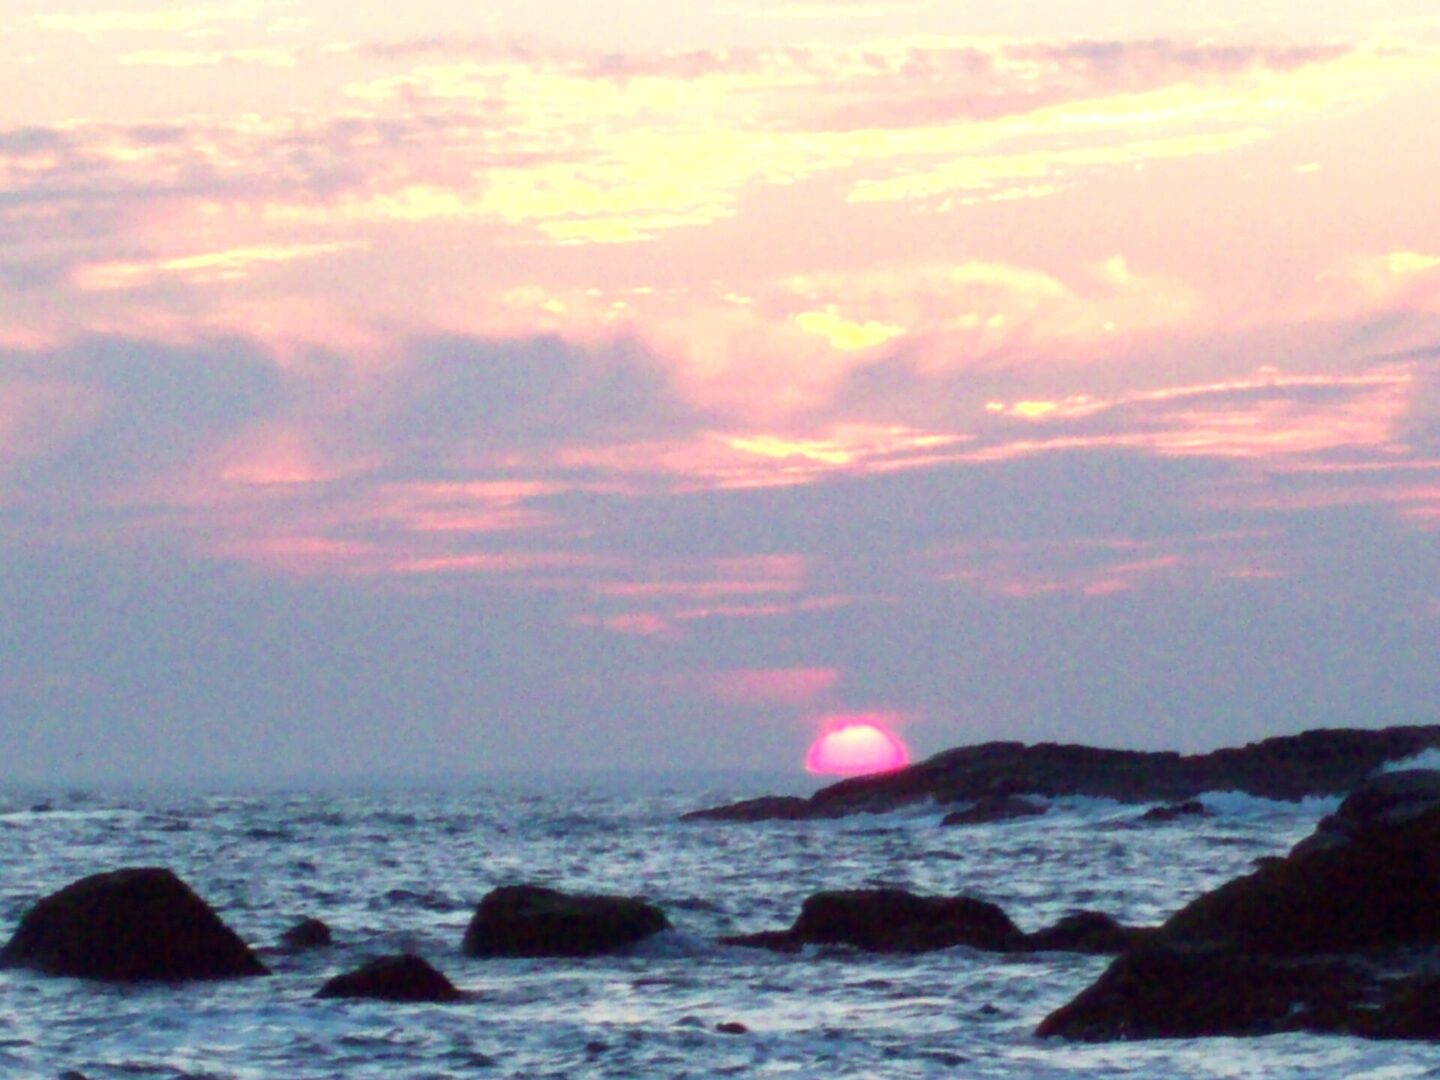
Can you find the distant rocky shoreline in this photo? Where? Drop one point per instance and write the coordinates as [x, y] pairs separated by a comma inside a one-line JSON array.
[[1340, 935], [1322, 762]]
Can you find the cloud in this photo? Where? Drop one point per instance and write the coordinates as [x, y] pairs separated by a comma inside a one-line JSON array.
[[461, 394], [98, 420]]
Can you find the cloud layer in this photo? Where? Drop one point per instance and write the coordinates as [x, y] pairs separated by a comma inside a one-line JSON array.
[[484, 396]]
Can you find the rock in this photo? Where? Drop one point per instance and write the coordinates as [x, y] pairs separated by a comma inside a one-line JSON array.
[[1391, 797], [529, 920], [782, 941], [308, 933], [892, 920], [1324, 762], [1377, 891], [1172, 811], [392, 978], [731, 1027], [994, 808], [1412, 1011], [129, 924], [1321, 940], [765, 808], [1087, 932], [1164, 993]]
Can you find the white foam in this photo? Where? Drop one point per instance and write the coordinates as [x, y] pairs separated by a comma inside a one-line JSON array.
[[1426, 759]]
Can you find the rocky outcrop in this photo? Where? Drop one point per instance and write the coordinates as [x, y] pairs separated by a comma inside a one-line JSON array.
[[1336, 937], [129, 924], [892, 920], [896, 920], [1391, 797], [989, 810], [530, 920], [1324, 762], [392, 978], [765, 808]]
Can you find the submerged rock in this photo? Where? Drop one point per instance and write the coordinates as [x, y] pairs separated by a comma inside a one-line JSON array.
[[999, 808], [891, 920], [1321, 940], [530, 920], [308, 933], [129, 924], [1323, 762], [392, 978], [1190, 808]]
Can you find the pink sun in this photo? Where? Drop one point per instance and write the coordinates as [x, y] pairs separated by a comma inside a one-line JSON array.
[[854, 745]]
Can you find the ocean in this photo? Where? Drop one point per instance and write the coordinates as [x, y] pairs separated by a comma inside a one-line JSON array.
[[400, 870]]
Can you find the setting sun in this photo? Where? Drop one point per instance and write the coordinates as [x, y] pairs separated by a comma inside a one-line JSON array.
[[855, 746]]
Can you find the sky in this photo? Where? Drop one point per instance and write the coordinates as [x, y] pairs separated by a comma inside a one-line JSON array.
[[505, 387]]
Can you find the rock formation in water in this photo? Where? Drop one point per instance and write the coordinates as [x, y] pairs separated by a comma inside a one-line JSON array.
[[129, 924], [1324, 762], [530, 920], [1341, 935], [401, 977], [991, 809], [896, 920], [308, 933]]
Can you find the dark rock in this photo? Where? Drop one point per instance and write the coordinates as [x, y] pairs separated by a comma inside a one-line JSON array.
[[732, 1027], [530, 920], [1320, 940], [1172, 811], [1087, 932], [1378, 891], [308, 933], [1324, 762], [1412, 1011], [392, 978], [1389, 798], [783, 941], [765, 808], [1183, 994], [892, 920], [128, 924], [995, 808]]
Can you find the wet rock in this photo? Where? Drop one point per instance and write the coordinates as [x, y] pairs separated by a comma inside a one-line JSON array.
[[1190, 808], [392, 978], [1334, 938], [1323, 762], [997, 808], [1167, 993], [308, 933], [1389, 798], [530, 920], [782, 941], [1088, 932], [765, 808], [892, 920], [1412, 1011], [129, 924]]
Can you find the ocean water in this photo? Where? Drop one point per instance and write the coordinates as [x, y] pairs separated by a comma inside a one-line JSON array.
[[403, 870]]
